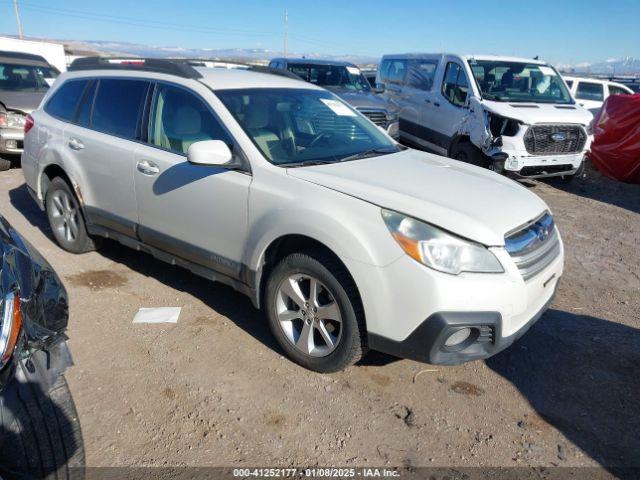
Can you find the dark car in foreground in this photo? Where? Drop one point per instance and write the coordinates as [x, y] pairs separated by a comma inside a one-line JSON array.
[[40, 433], [347, 81], [24, 80]]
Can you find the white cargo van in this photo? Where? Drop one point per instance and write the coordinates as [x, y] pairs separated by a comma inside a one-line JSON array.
[[512, 115]]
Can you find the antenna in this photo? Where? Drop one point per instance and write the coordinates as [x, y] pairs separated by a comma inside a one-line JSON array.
[[286, 33], [15, 7]]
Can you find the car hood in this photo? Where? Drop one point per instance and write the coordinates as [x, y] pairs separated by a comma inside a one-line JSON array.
[[23, 101], [360, 99], [469, 201], [531, 113]]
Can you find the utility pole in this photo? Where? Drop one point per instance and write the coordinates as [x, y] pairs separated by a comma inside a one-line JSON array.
[[286, 33], [15, 7]]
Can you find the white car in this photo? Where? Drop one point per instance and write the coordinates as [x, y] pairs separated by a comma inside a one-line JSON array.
[[278, 188], [591, 93], [512, 115]]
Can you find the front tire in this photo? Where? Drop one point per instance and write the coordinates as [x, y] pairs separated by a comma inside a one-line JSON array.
[[468, 153], [315, 312], [40, 435], [66, 219]]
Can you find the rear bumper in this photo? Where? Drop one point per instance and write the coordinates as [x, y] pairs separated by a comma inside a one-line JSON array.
[[427, 342], [11, 141]]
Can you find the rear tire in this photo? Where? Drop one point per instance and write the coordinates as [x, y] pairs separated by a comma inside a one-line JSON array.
[[66, 219], [468, 153], [40, 434], [332, 320]]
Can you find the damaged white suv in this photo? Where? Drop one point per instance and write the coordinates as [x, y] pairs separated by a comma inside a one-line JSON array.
[[512, 115], [280, 189]]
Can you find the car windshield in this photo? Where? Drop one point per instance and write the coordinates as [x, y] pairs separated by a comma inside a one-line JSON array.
[[348, 77], [298, 127], [25, 78], [519, 82]]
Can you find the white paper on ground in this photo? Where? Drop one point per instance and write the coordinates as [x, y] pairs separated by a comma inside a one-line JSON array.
[[157, 315]]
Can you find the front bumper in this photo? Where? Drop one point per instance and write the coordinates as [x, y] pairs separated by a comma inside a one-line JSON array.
[[11, 141], [427, 342]]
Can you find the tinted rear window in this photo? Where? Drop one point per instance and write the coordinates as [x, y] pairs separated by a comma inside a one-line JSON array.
[[64, 101], [118, 106]]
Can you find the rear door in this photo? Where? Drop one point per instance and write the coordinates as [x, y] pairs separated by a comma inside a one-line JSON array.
[[104, 139], [195, 212], [417, 99]]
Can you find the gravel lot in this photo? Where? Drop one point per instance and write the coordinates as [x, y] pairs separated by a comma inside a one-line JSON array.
[[215, 389]]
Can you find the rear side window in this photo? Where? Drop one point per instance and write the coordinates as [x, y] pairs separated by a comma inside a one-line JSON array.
[[118, 106], [421, 74], [396, 71], [86, 104], [65, 100], [615, 90], [590, 91]]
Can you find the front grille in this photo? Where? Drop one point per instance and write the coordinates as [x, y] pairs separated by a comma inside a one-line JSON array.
[[379, 117], [554, 139], [534, 247]]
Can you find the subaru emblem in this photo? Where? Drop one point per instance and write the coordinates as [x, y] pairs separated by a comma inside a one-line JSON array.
[[558, 137]]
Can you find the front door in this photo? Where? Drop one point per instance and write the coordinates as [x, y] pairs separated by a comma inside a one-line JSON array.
[[450, 105], [195, 212]]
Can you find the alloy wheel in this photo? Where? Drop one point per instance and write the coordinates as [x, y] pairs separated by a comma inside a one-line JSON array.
[[64, 216], [308, 315]]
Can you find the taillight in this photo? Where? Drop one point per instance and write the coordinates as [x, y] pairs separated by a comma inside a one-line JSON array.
[[10, 327], [3, 119], [28, 124]]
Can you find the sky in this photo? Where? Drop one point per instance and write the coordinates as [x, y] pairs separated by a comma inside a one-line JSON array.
[[567, 32]]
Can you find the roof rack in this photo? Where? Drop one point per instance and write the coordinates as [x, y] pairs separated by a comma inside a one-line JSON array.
[[179, 68]]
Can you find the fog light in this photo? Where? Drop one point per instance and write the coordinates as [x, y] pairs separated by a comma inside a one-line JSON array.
[[13, 144], [458, 337]]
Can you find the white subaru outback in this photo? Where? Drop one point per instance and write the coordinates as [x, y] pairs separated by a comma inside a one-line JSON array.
[[278, 188]]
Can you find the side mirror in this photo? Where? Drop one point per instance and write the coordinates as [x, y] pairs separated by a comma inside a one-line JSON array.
[[209, 152], [380, 88]]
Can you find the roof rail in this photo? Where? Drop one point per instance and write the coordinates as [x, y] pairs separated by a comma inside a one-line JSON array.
[[274, 71], [179, 68]]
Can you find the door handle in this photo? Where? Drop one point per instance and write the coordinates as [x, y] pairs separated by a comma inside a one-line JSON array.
[[147, 167], [75, 144], [427, 100], [436, 104]]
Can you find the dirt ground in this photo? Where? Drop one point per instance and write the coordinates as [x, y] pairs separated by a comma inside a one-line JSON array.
[[215, 389]]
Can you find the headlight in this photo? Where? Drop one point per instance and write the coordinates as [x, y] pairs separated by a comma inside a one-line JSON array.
[[10, 327], [500, 126], [392, 117], [438, 249]]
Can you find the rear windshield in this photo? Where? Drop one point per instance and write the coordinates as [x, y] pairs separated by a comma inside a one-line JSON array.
[[505, 81], [25, 78]]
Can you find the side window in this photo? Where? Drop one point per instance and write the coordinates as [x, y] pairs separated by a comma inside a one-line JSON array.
[[455, 86], [64, 101], [179, 119], [590, 91], [421, 74], [615, 90], [397, 70], [118, 106], [86, 105], [384, 70], [569, 84]]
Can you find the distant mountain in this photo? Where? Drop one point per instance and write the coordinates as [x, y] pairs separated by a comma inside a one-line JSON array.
[[612, 66], [239, 54]]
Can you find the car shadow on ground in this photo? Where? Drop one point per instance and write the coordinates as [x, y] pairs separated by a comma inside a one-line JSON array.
[[580, 374], [22, 201], [602, 189]]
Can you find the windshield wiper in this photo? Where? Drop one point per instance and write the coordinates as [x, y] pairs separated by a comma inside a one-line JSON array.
[[307, 163], [374, 152]]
